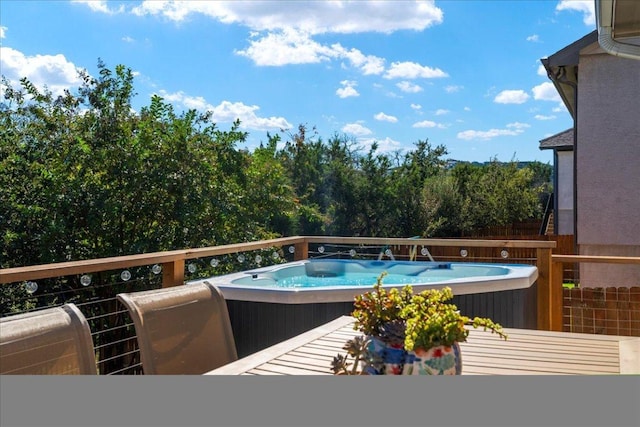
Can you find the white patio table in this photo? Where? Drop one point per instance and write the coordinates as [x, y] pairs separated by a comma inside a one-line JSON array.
[[525, 352]]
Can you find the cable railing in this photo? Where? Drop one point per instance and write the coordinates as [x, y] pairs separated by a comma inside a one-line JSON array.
[[93, 284]]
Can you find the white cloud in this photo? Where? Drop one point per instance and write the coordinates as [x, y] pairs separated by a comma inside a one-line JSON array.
[[287, 47], [356, 129], [546, 92], [296, 47], [348, 89], [128, 39], [467, 109], [511, 97], [283, 37], [3, 31], [425, 124], [347, 92], [485, 135], [542, 71], [541, 117], [518, 125], [416, 106], [386, 145], [587, 7], [367, 64], [453, 88], [533, 38], [53, 71], [316, 17], [411, 70], [559, 109], [228, 112], [428, 124], [100, 6], [441, 112], [385, 118], [282, 31], [409, 87], [190, 102]]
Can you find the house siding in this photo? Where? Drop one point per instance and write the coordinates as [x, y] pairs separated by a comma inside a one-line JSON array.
[[608, 165], [564, 210]]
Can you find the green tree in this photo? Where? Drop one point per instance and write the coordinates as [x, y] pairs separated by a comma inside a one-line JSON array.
[[271, 200], [444, 208], [408, 181], [495, 194], [342, 179], [303, 156], [373, 194]]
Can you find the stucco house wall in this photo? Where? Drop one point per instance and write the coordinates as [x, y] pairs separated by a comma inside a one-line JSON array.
[[608, 165], [564, 210]]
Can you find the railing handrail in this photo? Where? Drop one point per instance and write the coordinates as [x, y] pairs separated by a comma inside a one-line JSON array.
[[600, 259], [486, 243], [44, 271], [173, 262]]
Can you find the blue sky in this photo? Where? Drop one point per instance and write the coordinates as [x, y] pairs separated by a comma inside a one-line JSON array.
[[462, 73]]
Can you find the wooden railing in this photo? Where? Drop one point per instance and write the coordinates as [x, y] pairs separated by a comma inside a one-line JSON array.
[[558, 262], [173, 262], [548, 291], [114, 339]]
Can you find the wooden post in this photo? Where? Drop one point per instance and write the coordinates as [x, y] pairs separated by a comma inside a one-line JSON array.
[[543, 263], [556, 296], [173, 273], [302, 251]]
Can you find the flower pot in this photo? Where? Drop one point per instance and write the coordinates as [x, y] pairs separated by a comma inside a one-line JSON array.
[[391, 359], [439, 360]]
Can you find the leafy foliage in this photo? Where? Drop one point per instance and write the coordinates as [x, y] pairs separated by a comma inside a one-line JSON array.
[[423, 320], [357, 356], [376, 310], [431, 321], [83, 175]]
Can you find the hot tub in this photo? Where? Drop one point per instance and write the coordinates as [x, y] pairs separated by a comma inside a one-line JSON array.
[[309, 281], [270, 304]]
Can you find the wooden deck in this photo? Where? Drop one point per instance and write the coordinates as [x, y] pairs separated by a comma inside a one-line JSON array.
[[526, 352]]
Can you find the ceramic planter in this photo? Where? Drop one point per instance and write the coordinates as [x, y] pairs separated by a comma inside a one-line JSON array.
[[440, 360], [391, 359]]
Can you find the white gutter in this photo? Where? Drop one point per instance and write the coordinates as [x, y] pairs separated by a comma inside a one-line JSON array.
[[605, 21]]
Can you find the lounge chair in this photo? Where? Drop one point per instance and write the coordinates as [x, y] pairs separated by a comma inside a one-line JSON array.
[[182, 329], [52, 341]]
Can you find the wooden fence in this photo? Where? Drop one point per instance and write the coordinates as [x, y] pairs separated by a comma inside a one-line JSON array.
[[524, 228]]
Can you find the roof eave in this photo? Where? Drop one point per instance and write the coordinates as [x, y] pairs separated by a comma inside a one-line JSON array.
[[618, 25], [562, 69]]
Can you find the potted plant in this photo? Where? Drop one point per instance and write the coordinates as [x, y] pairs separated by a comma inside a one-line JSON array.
[[357, 355], [378, 317], [433, 330], [407, 333]]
